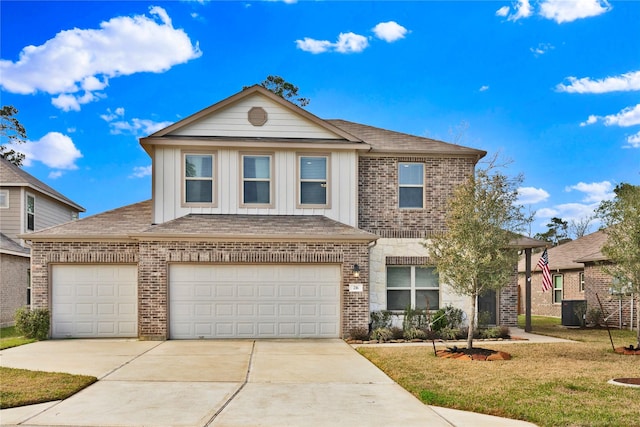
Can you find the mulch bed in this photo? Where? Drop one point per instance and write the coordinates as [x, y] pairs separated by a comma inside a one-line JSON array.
[[628, 351], [634, 381], [481, 354]]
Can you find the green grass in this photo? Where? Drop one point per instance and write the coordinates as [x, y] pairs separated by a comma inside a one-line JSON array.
[[21, 387], [559, 384], [9, 337]]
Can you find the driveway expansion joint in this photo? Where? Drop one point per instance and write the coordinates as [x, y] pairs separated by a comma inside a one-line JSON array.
[[238, 390]]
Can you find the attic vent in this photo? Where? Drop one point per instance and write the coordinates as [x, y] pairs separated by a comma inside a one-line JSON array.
[[257, 116]]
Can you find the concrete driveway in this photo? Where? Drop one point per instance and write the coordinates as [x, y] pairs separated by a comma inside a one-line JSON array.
[[224, 383]]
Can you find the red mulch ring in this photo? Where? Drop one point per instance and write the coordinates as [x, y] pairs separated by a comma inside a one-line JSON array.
[[473, 354], [634, 381], [628, 351]]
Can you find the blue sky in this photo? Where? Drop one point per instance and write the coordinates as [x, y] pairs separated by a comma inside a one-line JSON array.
[[551, 85]]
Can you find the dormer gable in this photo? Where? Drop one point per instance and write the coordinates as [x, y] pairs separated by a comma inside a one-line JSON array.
[[254, 115]]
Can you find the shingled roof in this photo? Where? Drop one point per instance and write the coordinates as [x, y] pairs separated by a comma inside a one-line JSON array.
[[13, 176], [11, 247], [567, 255], [387, 141], [134, 222]]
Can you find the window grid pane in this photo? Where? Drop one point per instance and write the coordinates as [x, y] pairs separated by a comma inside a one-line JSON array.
[[399, 277], [198, 176], [398, 299], [313, 168], [427, 277], [257, 167]]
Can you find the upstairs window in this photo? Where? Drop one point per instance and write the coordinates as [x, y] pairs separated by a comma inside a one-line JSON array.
[[313, 181], [581, 279], [198, 178], [256, 179], [411, 185], [31, 212], [412, 286], [4, 199]]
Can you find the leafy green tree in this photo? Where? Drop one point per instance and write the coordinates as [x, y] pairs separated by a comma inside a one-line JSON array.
[[283, 89], [621, 217], [557, 233], [12, 133], [474, 254]]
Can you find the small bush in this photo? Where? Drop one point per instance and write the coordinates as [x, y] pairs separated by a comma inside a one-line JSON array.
[[396, 333], [381, 334], [489, 333], [594, 316], [414, 318], [359, 334], [414, 333], [32, 323], [448, 333], [381, 319]]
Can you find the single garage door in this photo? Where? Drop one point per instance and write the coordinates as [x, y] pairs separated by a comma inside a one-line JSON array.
[[94, 301], [254, 301]]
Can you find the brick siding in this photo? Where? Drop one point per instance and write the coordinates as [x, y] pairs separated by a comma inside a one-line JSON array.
[[153, 259], [598, 282], [542, 302], [378, 210]]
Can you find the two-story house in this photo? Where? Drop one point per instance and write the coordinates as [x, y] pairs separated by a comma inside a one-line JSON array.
[[26, 205], [265, 221]]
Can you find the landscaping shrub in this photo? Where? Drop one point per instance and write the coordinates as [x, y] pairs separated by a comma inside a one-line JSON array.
[[448, 316], [414, 333], [414, 318], [396, 333], [32, 323], [594, 316], [382, 334], [381, 319], [359, 334]]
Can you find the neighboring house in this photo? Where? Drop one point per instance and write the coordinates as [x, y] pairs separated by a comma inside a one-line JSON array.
[[26, 205], [265, 221], [576, 274]]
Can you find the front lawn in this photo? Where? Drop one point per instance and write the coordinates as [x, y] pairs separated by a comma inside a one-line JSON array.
[[563, 384], [22, 387], [9, 337]]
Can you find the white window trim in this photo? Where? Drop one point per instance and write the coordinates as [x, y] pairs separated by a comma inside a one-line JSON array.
[[412, 288], [299, 181], [581, 281], [213, 179], [26, 211], [554, 289], [5, 197], [271, 180], [411, 185]]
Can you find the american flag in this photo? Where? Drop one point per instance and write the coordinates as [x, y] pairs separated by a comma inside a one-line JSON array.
[[543, 263]]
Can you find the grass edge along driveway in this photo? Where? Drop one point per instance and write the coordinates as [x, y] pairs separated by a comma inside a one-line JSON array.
[[559, 384]]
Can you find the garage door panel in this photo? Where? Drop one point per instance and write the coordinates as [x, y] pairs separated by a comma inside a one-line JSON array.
[[94, 301], [252, 301]]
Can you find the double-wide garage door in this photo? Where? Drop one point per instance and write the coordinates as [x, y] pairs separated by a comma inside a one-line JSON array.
[[254, 301], [90, 301]]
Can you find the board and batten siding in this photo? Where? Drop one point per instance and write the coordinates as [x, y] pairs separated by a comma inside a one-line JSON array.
[[168, 184], [232, 122]]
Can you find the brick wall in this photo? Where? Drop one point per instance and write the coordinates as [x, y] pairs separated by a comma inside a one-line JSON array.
[[153, 259], [378, 210], [598, 282], [13, 288], [508, 308], [542, 302]]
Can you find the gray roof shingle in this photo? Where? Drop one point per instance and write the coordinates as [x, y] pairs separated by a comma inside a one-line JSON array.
[[565, 256], [12, 175], [10, 246]]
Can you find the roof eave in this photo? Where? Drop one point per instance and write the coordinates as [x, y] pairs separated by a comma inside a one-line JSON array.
[[253, 237]]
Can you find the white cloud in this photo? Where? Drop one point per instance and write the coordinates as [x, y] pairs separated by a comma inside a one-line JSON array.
[[54, 150], [136, 127], [314, 46], [541, 49], [595, 192], [483, 88], [390, 31], [569, 10], [521, 10], [503, 11], [141, 171], [622, 83], [634, 140], [351, 42], [346, 43], [78, 63], [55, 174], [531, 195], [630, 116]]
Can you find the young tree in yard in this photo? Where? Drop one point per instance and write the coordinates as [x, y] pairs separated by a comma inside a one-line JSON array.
[[621, 217], [284, 89], [12, 133], [474, 254]]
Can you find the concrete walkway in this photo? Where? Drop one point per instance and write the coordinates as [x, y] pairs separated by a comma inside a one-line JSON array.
[[224, 383]]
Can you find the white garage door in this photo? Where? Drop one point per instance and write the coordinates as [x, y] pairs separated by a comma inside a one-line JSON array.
[[91, 301], [254, 301]]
